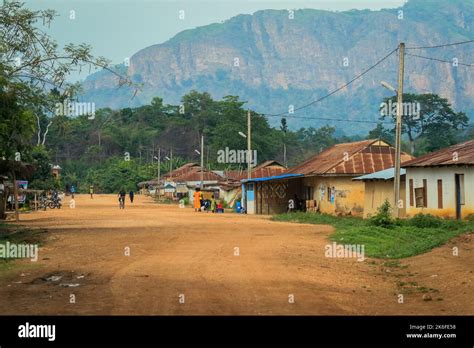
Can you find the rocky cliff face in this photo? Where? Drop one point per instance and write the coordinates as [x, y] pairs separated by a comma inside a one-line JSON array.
[[274, 60]]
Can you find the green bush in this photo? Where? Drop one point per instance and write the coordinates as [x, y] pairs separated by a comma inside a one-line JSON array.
[[383, 218], [425, 221], [470, 217]]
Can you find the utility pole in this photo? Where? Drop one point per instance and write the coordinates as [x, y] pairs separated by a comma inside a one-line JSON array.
[[284, 154], [249, 146], [202, 162], [171, 161], [398, 129], [159, 171]]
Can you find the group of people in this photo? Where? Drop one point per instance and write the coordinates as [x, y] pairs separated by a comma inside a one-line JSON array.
[[201, 204], [122, 194]]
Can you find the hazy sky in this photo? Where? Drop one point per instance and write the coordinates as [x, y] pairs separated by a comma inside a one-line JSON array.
[[117, 29]]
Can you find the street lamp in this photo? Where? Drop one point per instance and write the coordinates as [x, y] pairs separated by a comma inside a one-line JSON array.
[[249, 155], [388, 86], [159, 172]]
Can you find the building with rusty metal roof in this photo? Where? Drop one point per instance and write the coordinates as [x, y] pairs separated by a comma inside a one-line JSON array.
[[441, 183], [324, 182], [356, 158]]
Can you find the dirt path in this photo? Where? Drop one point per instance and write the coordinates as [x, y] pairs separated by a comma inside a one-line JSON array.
[[218, 264]]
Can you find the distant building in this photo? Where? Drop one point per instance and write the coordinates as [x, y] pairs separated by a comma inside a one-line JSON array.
[[56, 171], [442, 182]]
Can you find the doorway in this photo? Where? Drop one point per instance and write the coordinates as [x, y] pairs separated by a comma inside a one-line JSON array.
[[459, 192]]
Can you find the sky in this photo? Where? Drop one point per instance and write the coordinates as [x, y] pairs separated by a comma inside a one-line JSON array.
[[116, 29]]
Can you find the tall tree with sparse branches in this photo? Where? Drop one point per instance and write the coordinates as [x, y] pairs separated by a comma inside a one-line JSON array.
[[31, 59]]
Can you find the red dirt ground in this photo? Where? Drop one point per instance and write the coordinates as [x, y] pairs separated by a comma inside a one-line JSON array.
[[177, 252]]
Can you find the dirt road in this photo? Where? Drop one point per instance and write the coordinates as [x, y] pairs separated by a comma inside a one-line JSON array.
[[159, 259]]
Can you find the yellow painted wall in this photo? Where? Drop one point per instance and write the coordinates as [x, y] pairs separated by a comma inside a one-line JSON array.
[[376, 192], [349, 195]]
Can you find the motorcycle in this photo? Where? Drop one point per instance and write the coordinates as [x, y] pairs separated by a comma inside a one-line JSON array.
[[54, 203], [43, 202]]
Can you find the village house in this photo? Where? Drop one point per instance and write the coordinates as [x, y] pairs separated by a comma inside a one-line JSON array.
[[324, 182], [442, 183], [379, 187]]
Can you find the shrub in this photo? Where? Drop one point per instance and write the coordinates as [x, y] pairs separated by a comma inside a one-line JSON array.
[[425, 221], [470, 217], [383, 218]]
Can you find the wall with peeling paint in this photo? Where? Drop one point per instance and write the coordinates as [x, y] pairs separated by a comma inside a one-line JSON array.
[[348, 195], [447, 175]]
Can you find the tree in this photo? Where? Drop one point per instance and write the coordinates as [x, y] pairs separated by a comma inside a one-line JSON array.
[[380, 132], [31, 59], [426, 115], [284, 125], [17, 126]]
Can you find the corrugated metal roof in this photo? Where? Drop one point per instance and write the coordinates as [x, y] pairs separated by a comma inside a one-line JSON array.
[[181, 170], [265, 169], [194, 174], [387, 174], [360, 157], [459, 154]]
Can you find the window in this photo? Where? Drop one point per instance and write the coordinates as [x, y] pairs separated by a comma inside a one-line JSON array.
[[419, 197], [461, 189], [411, 193], [309, 192], [440, 194], [425, 193]]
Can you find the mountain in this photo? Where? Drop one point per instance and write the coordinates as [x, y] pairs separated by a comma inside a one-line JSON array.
[[274, 61]]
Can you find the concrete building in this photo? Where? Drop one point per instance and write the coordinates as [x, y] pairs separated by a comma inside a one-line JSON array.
[[442, 183], [379, 188]]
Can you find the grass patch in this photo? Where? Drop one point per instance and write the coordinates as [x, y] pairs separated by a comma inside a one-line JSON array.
[[404, 238], [15, 234]]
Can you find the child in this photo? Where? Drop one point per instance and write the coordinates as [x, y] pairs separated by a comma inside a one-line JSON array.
[[213, 204]]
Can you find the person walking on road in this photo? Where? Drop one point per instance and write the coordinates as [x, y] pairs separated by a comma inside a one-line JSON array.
[[197, 199], [121, 196], [131, 195], [73, 191], [213, 204], [91, 191]]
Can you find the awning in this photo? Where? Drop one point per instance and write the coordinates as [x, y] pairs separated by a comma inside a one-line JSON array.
[[276, 177]]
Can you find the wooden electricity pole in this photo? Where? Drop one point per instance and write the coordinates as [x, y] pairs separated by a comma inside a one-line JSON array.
[[249, 146], [398, 129], [159, 172], [202, 162]]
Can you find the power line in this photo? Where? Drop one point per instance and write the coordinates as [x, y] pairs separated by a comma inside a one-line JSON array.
[[340, 88], [332, 119], [439, 60], [439, 46]]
